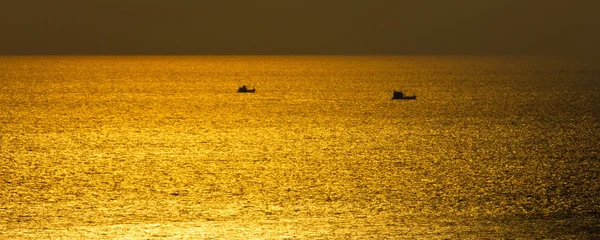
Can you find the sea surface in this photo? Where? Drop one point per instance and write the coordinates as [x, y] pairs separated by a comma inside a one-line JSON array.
[[155, 147]]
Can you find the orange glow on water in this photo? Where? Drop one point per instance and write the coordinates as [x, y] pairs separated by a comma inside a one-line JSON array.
[[164, 147]]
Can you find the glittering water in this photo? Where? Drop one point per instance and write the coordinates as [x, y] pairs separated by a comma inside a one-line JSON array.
[[163, 147]]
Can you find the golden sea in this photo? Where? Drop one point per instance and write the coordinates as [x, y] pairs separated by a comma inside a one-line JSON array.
[[155, 147]]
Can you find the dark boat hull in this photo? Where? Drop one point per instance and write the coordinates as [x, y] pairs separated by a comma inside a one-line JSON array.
[[243, 90], [406, 98], [401, 96]]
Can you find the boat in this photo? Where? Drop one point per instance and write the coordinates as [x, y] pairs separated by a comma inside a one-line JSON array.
[[399, 95], [244, 89]]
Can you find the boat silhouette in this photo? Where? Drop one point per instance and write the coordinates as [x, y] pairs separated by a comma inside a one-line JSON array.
[[399, 95], [244, 89]]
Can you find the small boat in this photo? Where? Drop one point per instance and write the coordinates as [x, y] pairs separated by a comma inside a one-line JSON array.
[[399, 95], [244, 89]]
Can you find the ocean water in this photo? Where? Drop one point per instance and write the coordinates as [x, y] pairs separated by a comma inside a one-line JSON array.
[[153, 147]]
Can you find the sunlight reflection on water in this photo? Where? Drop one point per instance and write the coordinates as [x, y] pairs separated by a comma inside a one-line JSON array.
[[163, 147]]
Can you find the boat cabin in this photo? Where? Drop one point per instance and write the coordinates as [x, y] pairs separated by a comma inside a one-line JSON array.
[[399, 95], [244, 89]]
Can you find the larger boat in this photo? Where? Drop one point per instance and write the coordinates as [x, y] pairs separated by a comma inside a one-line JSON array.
[[399, 95], [244, 89]]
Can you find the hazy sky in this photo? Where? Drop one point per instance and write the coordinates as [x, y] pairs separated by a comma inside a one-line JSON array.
[[300, 27]]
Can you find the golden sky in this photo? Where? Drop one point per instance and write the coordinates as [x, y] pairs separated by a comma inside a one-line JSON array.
[[300, 27]]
